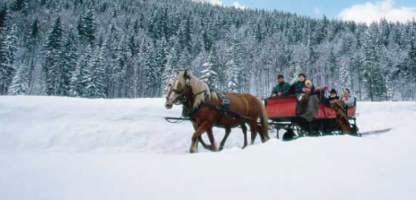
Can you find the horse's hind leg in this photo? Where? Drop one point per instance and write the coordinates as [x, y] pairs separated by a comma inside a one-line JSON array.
[[253, 129], [244, 129], [260, 131], [227, 133]]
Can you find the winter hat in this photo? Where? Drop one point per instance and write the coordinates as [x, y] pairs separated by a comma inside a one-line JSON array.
[[333, 91], [308, 83]]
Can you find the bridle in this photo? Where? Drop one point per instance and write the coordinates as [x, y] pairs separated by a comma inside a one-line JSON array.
[[183, 99]]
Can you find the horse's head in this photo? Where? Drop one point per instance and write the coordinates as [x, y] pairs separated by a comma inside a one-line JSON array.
[[179, 90]]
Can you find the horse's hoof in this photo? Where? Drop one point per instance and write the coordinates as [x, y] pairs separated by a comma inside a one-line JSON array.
[[221, 148], [192, 150], [214, 149]]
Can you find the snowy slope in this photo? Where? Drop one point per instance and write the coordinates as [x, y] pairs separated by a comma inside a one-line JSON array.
[[62, 148]]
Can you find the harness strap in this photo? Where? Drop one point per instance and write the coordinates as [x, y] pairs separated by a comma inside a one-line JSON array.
[[202, 92], [228, 112], [224, 110]]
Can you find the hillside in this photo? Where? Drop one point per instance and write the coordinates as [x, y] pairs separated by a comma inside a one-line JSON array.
[[131, 48]]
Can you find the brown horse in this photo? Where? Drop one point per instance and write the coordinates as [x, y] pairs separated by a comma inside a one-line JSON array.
[[169, 90], [198, 101]]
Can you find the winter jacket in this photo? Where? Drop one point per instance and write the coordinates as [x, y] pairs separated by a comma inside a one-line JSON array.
[[282, 88], [297, 87], [350, 101]]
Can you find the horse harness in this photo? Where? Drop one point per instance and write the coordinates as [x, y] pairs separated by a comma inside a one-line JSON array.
[[224, 110]]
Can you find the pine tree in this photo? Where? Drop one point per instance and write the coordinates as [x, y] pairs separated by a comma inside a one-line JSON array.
[[411, 69], [69, 57], [209, 73], [20, 84], [236, 79], [118, 67], [4, 15], [87, 27], [53, 59], [19, 5], [8, 49], [96, 81], [151, 71], [171, 69], [373, 77], [161, 61], [81, 75], [185, 35]]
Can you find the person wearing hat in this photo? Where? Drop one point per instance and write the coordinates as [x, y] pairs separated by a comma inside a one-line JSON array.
[[281, 88], [308, 87], [308, 101], [297, 87], [333, 95]]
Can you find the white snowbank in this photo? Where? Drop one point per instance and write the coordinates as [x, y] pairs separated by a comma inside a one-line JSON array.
[[61, 148]]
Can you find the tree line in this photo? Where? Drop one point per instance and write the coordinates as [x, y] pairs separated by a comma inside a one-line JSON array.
[[132, 48]]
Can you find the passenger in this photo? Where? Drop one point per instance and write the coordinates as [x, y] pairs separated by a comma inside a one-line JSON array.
[[281, 88], [309, 88], [297, 87], [347, 98], [333, 95], [308, 102]]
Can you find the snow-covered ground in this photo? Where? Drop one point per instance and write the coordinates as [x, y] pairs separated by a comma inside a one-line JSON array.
[[64, 149]]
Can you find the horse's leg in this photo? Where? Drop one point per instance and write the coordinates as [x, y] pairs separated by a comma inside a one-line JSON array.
[[227, 133], [201, 129], [253, 128], [244, 129], [208, 147], [212, 139], [260, 131]]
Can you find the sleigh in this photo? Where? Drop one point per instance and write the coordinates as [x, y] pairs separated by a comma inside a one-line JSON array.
[[282, 115]]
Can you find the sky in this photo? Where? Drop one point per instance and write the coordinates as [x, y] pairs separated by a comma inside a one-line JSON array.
[[364, 11]]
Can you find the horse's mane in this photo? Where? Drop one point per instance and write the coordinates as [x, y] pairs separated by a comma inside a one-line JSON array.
[[197, 86]]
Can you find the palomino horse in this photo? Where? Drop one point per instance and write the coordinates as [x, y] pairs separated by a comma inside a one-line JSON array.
[[169, 90], [198, 102]]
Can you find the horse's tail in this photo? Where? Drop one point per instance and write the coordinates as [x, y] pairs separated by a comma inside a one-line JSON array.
[[264, 119]]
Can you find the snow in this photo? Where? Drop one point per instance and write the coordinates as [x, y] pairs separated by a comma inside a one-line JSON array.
[[64, 148]]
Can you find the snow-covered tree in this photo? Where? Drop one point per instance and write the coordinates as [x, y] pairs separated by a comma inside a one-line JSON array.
[[209, 74], [20, 83], [8, 49], [87, 26], [53, 59], [145, 43], [79, 80], [96, 80]]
